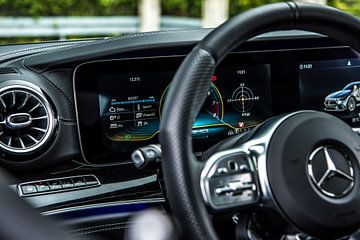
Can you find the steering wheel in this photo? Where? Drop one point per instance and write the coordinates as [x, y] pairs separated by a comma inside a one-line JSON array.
[[300, 171]]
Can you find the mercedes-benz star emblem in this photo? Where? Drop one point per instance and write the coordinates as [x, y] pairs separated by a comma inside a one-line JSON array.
[[331, 171]]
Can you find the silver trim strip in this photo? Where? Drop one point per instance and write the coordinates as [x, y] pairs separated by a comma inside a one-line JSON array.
[[53, 200], [98, 205]]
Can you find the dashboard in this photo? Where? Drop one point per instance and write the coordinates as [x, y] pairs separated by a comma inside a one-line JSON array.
[[119, 101], [90, 104]]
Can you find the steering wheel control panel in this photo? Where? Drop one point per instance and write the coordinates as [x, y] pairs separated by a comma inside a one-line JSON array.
[[229, 182], [120, 102]]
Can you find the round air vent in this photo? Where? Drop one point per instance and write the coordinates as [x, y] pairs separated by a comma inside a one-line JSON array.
[[26, 119]]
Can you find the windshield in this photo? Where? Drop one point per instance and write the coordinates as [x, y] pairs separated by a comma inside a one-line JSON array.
[[351, 86], [46, 20]]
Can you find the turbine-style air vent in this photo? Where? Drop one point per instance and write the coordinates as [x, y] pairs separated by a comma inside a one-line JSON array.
[[26, 119]]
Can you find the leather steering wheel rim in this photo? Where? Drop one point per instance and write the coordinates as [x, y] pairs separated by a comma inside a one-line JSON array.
[[192, 81]]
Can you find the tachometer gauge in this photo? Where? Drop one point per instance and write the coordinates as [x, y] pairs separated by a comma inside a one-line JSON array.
[[211, 113], [213, 104], [243, 99]]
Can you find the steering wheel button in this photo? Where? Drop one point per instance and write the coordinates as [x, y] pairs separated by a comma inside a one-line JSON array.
[[244, 168], [222, 170], [223, 190], [247, 195], [233, 166], [246, 178]]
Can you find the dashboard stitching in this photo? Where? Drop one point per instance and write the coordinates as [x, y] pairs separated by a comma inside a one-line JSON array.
[[100, 226], [69, 122], [32, 53], [54, 86], [37, 48], [103, 230], [130, 36]]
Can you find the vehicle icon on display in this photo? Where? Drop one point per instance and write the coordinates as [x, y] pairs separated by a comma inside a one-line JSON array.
[[346, 99]]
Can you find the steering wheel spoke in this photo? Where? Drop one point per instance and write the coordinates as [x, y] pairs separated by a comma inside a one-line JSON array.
[[229, 181]]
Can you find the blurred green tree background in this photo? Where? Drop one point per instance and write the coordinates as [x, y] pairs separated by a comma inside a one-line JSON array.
[[186, 8], [191, 8]]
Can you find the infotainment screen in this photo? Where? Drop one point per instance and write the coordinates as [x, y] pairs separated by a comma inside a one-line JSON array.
[[122, 102], [332, 86]]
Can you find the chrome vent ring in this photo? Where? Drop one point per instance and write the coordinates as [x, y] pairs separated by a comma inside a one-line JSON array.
[[27, 120]]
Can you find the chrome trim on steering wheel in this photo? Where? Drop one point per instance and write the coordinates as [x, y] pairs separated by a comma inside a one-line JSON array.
[[255, 150]]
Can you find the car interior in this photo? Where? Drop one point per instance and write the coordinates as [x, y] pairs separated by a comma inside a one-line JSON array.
[[244, 131]]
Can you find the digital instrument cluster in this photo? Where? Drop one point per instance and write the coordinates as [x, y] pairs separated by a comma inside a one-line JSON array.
[[131, 105], [120, 102]]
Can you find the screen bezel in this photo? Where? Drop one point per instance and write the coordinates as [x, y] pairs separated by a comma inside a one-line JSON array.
[[86, 91]]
